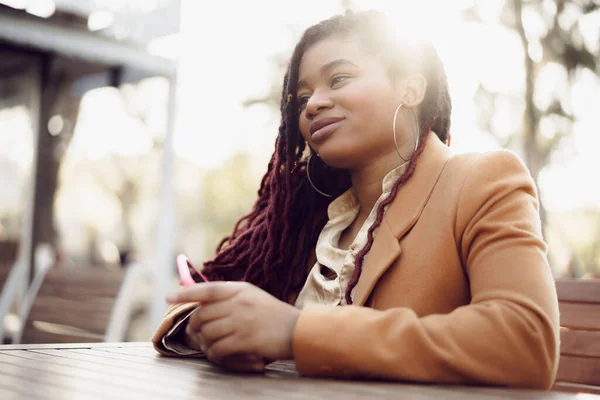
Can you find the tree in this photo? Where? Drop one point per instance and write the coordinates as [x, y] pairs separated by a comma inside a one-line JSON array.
[[559, 42], [125, 185], [58, 101], [124, 177]]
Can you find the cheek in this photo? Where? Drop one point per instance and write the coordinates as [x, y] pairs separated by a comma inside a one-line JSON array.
[[304, 125], [371, 107]]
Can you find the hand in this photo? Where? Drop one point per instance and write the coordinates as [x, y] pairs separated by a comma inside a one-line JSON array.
[[237, 362], [237, 318], [242, 363]]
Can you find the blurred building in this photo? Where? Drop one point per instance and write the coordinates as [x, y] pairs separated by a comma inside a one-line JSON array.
[[52, 52]]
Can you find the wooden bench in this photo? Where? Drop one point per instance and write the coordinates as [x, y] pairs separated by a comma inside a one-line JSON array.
[[8, 256], [579, 367], [8, 250], [10, 278], [79, 305], [5, 268]]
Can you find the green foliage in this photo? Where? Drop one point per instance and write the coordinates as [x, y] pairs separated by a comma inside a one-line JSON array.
[[228, 193], [574, 237]]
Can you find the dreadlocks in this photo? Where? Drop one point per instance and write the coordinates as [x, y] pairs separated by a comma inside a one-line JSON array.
[[270, 246]]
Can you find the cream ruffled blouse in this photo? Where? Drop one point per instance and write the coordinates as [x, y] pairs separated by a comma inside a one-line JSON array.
[[329, 277]]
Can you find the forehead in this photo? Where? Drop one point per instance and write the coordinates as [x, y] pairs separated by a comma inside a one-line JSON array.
[[331, 49]]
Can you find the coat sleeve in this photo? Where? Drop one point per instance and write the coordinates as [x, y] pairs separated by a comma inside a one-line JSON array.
[[507, 335]]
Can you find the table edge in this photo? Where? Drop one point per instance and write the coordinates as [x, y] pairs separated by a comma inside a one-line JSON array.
[[59, 346]]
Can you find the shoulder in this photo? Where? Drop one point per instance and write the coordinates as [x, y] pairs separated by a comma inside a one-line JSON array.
[[468, 174], [495, 161], [493, 178], [491, 169]]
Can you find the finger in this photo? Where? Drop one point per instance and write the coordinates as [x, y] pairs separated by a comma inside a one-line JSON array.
[[193, 325], [211, 312], [193, 340], [244, 363], [206, 292], [225, 347], [217, 330]]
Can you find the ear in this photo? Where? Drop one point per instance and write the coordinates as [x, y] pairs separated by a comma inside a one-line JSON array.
[[415, 87]]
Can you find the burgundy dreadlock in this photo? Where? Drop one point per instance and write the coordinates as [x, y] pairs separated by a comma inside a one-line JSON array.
[[270, 246]]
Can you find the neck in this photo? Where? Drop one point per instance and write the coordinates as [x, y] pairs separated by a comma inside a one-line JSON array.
[[367, 181]]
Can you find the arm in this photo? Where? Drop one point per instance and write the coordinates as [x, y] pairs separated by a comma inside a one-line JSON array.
[[508, 335]]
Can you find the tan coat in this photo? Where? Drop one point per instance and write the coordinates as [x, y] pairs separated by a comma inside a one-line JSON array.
[[456, 287]]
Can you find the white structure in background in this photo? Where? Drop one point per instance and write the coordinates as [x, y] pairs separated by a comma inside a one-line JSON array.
[[112, 50]]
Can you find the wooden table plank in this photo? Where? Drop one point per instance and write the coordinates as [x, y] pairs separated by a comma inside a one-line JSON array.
[[135, 370], [81, 380], [106, 374], [36, 375], [28, 389], [185, 372], [5, 394]]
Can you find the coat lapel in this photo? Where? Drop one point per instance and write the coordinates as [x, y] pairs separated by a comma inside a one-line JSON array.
[[401, 215]]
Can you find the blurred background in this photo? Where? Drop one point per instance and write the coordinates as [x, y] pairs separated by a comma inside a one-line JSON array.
[[134, 130]]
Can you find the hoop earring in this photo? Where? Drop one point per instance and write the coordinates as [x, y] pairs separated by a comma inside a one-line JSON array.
[[310, 180], [416, 131]]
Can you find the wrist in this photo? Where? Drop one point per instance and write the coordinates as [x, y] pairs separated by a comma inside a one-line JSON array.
[[294, 315]]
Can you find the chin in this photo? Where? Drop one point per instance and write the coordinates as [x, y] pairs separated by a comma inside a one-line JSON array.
[[338, 159], [342, 154]]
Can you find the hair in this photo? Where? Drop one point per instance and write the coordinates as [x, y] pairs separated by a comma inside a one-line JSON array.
[[271, 245]]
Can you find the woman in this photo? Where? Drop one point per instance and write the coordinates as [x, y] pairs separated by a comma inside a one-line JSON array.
[[437, 261]]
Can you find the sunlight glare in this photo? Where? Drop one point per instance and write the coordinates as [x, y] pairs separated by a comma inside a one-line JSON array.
[[16, 4], [97, 136], [589, 30], [100, 19], [551, 82], [41, 8]]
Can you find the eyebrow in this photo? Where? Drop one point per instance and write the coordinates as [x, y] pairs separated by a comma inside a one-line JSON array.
[[330, 65]]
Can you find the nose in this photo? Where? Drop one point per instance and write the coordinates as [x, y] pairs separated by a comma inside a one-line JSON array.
[[317, 103]]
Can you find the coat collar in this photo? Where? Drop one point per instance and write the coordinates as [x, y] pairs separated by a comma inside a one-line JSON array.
[[401, 215]]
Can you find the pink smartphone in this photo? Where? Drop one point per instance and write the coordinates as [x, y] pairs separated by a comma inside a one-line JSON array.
[[183, 266]]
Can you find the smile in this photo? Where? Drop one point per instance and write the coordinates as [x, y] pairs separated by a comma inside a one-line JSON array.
[[322, 128]]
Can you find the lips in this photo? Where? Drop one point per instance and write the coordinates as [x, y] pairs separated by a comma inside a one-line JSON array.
[[322, 123]]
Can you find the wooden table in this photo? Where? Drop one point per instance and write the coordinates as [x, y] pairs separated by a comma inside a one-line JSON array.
[[135, 371]]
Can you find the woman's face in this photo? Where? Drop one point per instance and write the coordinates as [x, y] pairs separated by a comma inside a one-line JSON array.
[[347, 104]]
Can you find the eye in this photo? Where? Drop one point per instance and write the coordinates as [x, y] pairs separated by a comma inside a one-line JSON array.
[[302, 100], [337, 79]]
